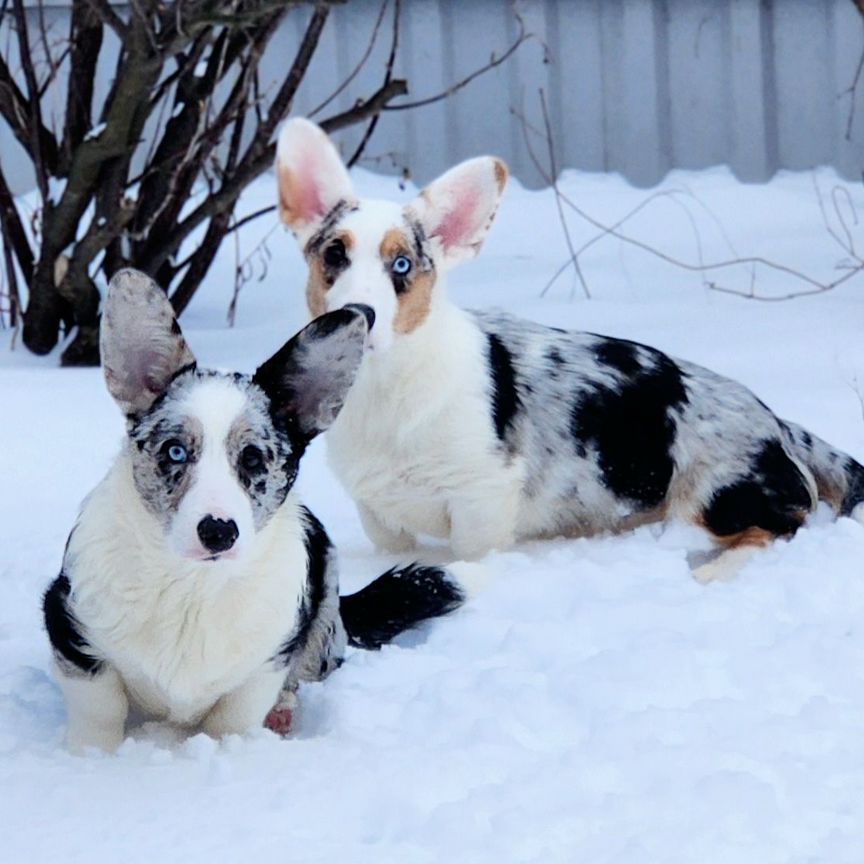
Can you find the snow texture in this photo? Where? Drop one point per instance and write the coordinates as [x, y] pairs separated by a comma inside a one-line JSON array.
[[592, 703]]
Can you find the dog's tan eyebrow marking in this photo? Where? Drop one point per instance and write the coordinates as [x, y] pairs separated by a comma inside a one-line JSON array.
[[394, 243]]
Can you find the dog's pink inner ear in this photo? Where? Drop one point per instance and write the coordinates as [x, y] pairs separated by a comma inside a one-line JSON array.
[[299, 193], [459, 224]]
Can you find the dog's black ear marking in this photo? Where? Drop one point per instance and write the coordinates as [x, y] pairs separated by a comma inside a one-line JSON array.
[[64, 631], [141, 344], [774, 496], [505, 396], [632, 429], [308, 379]]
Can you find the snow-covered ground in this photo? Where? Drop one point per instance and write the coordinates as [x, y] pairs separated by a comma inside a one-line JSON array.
[[594, 704]]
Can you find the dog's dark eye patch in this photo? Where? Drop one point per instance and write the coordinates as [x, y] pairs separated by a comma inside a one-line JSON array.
[[335, 255], [252, 459], [265, 462], [166, 448]]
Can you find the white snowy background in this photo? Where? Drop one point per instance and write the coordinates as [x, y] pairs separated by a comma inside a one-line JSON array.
[[593, 704]]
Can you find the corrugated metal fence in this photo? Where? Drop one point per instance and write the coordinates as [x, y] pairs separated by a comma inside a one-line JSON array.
[[636, 86]]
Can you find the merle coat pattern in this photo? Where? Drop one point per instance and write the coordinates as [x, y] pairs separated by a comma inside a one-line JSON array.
[[485, 428], [195, 586]]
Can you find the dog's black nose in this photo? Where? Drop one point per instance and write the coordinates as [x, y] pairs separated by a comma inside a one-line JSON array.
[[367, 311], [217, 535]]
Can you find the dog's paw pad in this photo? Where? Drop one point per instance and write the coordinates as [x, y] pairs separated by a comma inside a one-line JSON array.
[[279, 720]]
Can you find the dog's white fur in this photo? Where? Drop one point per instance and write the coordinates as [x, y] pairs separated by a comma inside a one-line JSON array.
[[195, 636], [433, 472], [180, 633]]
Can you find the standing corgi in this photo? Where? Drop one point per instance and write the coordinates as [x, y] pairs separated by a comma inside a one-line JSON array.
[[195, 586], [485, 428]]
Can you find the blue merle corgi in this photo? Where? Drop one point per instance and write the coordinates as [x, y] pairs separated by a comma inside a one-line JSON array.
[[485, 429], [195, 587]]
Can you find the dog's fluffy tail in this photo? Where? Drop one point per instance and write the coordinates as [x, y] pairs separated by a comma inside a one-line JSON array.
[[839, 478], [404, 597]]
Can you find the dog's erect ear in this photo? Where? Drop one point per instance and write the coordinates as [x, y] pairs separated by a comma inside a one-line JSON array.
[[311, 176], [140, 340], [308, 379], [457, 209]]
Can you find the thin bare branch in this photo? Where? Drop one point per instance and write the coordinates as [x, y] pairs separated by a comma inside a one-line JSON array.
[[34, 109], [14, 235], [366, 108], [553, 172], [703, 267], [360, 64], [388, 77], [493, 63]]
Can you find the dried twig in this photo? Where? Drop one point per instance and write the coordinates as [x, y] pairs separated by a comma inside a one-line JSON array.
[[244, 269], [388, 77], [702, 267], [33, 105], [373, 38], [553, 174], [494, 61]]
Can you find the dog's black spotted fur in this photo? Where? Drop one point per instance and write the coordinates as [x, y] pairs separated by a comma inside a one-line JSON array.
[[774, 497], [64, 631], [607, 428], [505, 396], [631, 427], [318, 552]]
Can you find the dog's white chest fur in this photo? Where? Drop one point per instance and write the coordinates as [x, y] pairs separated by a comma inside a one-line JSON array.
[[180, 633], [416, 426]]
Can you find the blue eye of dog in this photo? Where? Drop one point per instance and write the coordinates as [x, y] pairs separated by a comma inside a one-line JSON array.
[[401, 265], [175, 451], [251, 458]]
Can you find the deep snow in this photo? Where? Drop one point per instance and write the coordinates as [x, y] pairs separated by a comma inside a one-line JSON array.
[[593, 704]]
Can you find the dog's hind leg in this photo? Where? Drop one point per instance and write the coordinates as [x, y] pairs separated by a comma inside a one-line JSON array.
[[384, 538], [482, 523], [726, 564], [771, 500]]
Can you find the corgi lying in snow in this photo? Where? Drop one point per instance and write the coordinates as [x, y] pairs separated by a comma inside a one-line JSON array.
[[486, 429], [195, 586]]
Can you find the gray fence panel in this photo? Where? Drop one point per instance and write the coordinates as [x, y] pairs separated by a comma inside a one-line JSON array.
[[635, 86]]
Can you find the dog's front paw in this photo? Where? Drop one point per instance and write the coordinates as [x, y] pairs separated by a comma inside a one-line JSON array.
[[280, 717], [279, 720], [81, 742]]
